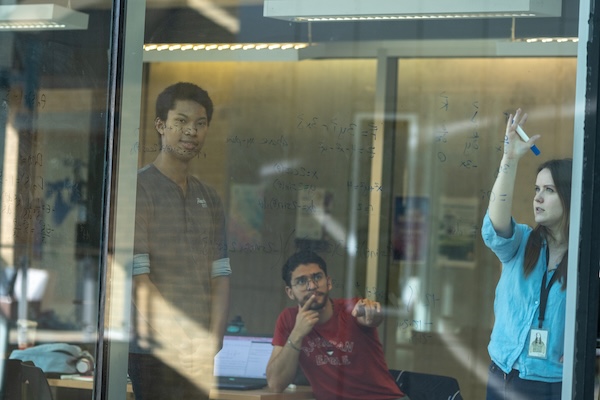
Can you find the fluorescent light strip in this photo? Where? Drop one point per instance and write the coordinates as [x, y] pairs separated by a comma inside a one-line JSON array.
[[291, 46], [223, 46], [550, 40], [411, 17], [31, 25]]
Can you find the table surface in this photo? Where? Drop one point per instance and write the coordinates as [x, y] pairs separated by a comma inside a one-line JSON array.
[[298, 393], [87, 384], [77, 383]]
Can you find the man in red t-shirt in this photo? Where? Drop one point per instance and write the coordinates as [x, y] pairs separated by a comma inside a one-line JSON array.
[[335, 342]]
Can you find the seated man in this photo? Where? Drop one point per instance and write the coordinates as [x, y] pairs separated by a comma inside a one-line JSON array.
[[334, 341]]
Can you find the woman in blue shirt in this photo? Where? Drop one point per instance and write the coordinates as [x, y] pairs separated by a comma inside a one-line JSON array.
[[530, 296]]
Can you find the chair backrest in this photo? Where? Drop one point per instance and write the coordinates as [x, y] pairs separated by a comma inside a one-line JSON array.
[[11, 380], [23, 380], [421, 386], [35, 383]]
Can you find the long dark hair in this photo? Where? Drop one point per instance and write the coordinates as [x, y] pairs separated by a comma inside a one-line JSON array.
[[561, 175]]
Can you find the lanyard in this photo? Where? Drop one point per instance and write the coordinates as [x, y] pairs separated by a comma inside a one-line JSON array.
[[544, 291]]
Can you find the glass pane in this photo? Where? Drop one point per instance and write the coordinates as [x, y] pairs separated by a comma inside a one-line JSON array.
[[374, 145], [444, 276], [54, 82]]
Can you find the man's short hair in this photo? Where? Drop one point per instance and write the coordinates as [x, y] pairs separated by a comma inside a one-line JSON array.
[[182, 91], [301, 258]]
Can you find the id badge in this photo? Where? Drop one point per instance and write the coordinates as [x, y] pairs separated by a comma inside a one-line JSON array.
[[538, 343]]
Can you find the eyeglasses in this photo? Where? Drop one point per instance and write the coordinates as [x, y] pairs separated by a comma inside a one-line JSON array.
[[304, 281]]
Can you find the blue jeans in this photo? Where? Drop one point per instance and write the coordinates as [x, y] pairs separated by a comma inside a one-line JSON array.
[[502, 386]]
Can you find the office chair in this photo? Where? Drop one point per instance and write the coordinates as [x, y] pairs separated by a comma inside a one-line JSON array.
[[421, 386], [11, 380], [23, 380]]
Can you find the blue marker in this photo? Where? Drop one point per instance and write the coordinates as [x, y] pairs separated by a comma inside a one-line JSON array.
[[524, 136]]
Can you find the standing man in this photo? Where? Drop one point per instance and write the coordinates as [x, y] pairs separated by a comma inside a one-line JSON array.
[[335, 342], [181, 267]]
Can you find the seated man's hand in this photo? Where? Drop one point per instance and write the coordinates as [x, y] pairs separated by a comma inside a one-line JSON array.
[[368, 312], [306, 319]]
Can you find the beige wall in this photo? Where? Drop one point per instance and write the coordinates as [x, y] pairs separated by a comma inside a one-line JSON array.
[[265, 102]]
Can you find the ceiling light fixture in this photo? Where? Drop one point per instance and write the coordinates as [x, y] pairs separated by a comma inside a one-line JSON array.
[[387, 10], [37, 17], [224, 46], [183, 52]]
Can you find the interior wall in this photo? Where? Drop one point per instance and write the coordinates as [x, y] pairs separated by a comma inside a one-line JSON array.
[[272, 140]]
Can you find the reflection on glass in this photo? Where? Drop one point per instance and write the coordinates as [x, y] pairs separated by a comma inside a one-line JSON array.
[[372, 142], [53, 92], [294, 175]]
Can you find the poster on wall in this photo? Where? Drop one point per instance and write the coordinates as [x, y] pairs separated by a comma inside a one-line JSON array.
[[246, 217], [310, 215], [457, 229], [411, 216]]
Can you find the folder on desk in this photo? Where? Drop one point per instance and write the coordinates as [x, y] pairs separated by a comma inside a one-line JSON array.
[[242, 362]]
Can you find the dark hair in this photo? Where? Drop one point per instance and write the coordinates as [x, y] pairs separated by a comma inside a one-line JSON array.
[[182, 91], [300, 258], [561, 175]]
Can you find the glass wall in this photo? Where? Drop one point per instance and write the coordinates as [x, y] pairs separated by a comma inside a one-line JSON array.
[[54, 84], [374, 144], [300, 174]]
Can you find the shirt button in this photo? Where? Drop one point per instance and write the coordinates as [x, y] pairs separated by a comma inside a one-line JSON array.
[[536, 302]]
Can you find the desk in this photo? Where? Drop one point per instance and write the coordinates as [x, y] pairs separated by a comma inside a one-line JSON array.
[[77, 384], [300, 393], [82, 385]]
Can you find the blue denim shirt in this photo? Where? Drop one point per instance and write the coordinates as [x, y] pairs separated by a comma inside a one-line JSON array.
[[516, 308]]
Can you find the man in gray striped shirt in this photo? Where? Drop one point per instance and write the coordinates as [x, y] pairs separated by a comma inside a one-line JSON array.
[[181, 266]]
